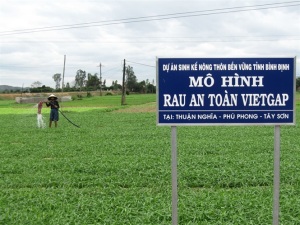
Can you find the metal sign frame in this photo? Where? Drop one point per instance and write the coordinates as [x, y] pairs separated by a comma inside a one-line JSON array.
[[168, 117]]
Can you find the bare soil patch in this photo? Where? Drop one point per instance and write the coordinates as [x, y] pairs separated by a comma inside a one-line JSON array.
[[149, 107]]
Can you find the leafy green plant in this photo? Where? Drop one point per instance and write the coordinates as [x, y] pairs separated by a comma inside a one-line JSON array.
[[116, 168]]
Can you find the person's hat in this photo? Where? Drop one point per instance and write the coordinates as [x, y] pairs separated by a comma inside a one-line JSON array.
[[52, 96]]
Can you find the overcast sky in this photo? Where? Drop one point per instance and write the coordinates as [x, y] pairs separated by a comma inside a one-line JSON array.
[[107, 33]]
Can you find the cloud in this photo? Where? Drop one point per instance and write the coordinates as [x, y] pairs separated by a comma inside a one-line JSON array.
[[26, 58]]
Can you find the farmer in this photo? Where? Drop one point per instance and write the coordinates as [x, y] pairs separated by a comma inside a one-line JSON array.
[[52, 101]]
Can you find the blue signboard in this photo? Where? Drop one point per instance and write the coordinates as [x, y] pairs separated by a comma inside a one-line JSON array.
[[229, 91]]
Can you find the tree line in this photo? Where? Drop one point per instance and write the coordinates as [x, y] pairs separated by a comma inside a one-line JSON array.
[[84, 81], [91, 82]]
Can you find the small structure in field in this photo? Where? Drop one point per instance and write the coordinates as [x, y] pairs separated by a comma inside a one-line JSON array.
[[21, 100]]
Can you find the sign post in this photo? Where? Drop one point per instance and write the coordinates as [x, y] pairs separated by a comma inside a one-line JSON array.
[[174, 175], [226, 91], [276, 185]]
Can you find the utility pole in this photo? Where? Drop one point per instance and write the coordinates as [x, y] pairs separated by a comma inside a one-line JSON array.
[[100, 79], [123, 86], [63, 79]]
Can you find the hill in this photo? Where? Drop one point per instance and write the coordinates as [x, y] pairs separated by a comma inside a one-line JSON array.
[[9, 88]]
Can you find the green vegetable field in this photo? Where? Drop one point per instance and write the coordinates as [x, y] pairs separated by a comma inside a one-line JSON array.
[[116, 168]]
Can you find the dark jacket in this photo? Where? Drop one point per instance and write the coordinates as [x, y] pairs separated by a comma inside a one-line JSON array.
[[52, 104]]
